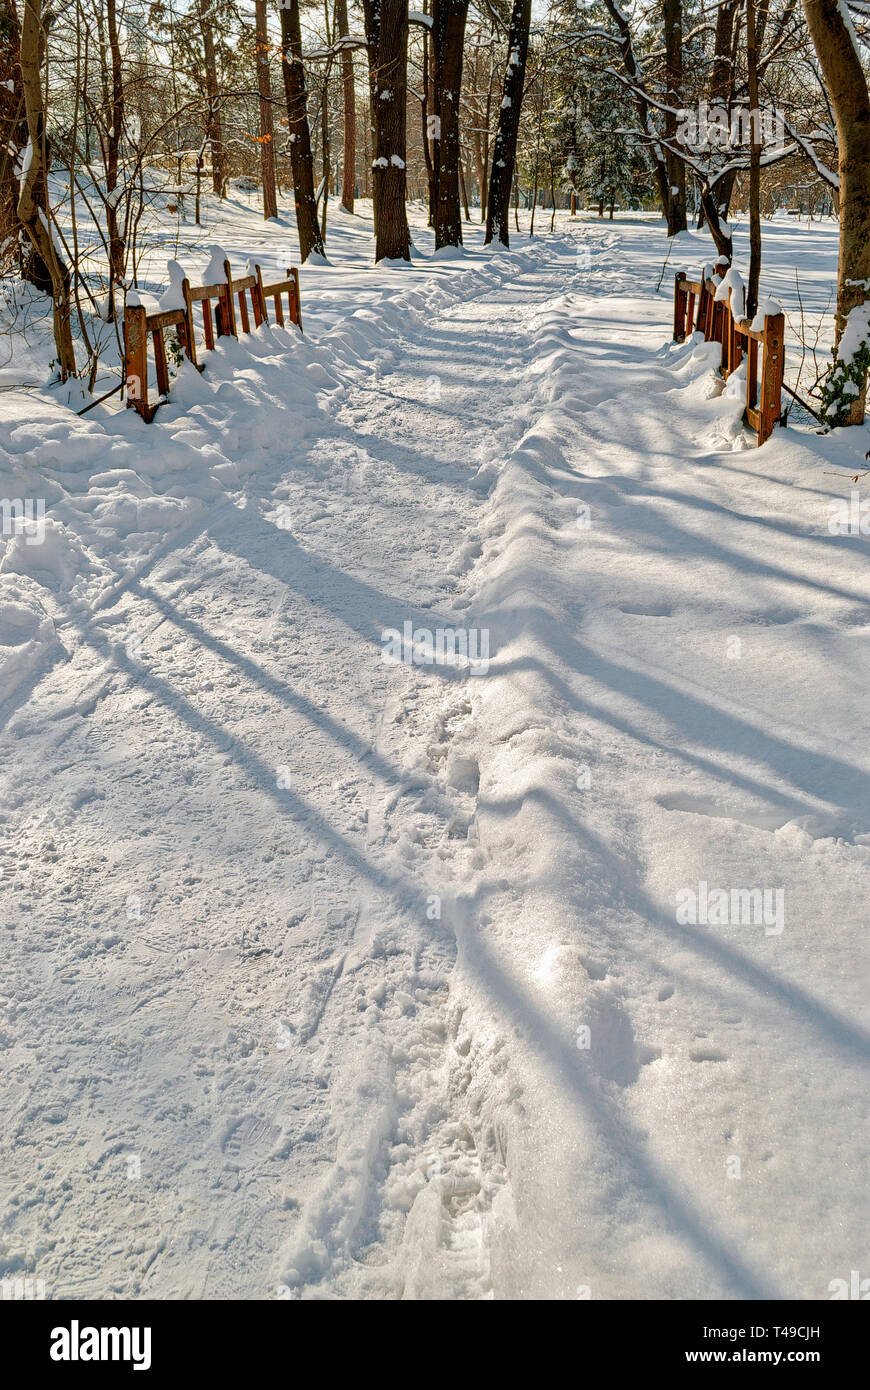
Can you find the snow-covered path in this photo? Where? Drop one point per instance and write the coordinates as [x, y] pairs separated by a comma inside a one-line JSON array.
[[342, 977]]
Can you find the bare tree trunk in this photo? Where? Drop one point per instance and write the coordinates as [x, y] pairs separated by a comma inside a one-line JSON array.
[[463, 187], [198, 194], [484, 182], [847, 86], [448, 38], [325, 152], [301, 160], [716, 198], [111, 151], [33, 210], [428, 121], [539, 126], [504, 152], [348, 157], [479, 169], [754, 164], [722, 72], [366, 162], [264, 87], [215, 124], [676, 169], [718, 228], [13, 142], [386, 25]]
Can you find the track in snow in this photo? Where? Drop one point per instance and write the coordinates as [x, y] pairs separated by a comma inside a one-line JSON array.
[[251, 1055]]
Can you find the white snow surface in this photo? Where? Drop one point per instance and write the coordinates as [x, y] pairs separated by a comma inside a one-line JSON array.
[[331, 977]]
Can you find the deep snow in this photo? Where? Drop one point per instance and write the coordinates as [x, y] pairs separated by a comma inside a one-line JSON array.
[[329, 975]]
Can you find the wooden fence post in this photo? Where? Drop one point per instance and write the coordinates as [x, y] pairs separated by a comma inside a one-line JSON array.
[[708, 310], [227, 316], [279, 309], [160, 362], [709, 313], [773, 362], [207, 325], [261, 298], [690, 315], [136, 359], [679, 307], [243, 311], [751, 372], [188, 340], [296, 306], [255, 303]]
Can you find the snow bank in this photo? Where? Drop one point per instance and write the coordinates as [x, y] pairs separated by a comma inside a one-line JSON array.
[[27, 632]]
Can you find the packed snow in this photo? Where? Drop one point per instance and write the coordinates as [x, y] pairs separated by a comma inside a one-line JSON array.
[[435, 795]]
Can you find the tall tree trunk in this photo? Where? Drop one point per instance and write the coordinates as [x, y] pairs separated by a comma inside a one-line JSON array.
[[479, 169], [847, 86], [386, 25], [448, 39], [33, 210], [301, 161], [264, 87], [430, 121], [719, 229], [716, 196], [484, 180], [348, 157], [722, 71], [215, 123], [325, 152], [111, 151], [464, 178], [676, 169], [504, 152], [754, 164], [13, 142]]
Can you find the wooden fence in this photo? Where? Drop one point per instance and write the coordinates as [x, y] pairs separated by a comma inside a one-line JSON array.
[[138, 325], [696, 308]]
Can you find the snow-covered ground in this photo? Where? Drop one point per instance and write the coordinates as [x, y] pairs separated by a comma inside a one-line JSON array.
[[333, 970]]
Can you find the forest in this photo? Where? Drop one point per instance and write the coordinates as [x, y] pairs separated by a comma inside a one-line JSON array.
[[475, 109]]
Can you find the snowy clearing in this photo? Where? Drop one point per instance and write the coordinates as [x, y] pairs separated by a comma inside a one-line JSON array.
[[339, 967]]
